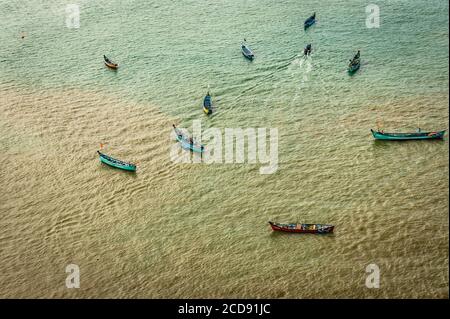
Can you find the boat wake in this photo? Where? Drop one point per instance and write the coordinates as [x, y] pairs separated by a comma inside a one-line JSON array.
[[301, 65]]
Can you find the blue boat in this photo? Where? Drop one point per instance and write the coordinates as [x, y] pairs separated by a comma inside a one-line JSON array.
[[207, 104], [116, 163], [381, 135], [187, 143], [246, 51], [310, 21]]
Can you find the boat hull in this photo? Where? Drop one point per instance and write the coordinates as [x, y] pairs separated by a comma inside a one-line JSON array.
[[188, 146], [247, 52], [111, 66], [308, 23], [116, 163], [408, 136], [302, 228], [207, 111], [248, 56], [207, 105], [353, 68]]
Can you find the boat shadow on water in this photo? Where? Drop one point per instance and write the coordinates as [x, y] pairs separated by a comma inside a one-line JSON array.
[[213, 112], [105, 168], [391, 143], [276, 234]]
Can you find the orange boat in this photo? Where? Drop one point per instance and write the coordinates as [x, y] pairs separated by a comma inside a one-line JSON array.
[[109, 63]]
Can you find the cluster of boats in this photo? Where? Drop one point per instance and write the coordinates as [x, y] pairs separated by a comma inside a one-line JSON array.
[[189, 144], [354, 64]]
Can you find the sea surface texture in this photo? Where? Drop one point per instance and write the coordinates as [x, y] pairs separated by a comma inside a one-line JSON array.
[[199, 230]]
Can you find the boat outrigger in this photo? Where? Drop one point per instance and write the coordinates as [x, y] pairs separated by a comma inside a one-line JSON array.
[[186, 142], [109, 63], [207, 104], [302, 228], [310, 21], [246, 51], [116, 163], [419, 135], [355, 63]]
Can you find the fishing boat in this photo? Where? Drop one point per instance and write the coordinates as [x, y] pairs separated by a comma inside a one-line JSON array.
[[207, 104], [302, 228], [246, 51], [307, 50], [353, 67], [420, 135], [116, 163], [310, 21], [109, 63], [187, 143], [355, 63]]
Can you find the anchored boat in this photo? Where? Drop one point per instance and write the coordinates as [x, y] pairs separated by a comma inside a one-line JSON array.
[[302, 228], [246, 51], [207, 104], [186, 142], [310, 21], [116, 163], [381, 135], [109, 63]]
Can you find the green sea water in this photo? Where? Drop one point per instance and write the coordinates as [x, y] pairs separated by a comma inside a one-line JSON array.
[[176, 230]]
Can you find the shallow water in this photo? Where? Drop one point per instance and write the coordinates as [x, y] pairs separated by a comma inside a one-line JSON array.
[[194, 230]]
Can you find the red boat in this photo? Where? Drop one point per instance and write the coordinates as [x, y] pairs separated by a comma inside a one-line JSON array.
[[303, 228]]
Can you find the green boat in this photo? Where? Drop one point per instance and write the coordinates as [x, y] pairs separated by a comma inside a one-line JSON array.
[[354, 66], [381, 135], [355, 63], [108, 160]]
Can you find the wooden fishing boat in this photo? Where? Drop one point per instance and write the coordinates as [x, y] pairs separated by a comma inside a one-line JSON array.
[[187, 143], [310, 21], [247, 52], [302, 228], [354, 66], [109, 63], [207, 104], [355, 63], [116, 163], [381, 135], [307, 50]]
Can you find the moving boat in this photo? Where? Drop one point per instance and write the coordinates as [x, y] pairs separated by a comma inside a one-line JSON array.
[[310, 21], [207, 104], [302, 228], [109, 63], [381, 135], [186, 142], [355, 63], [246, 51], [116, 163], [307, 50]]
